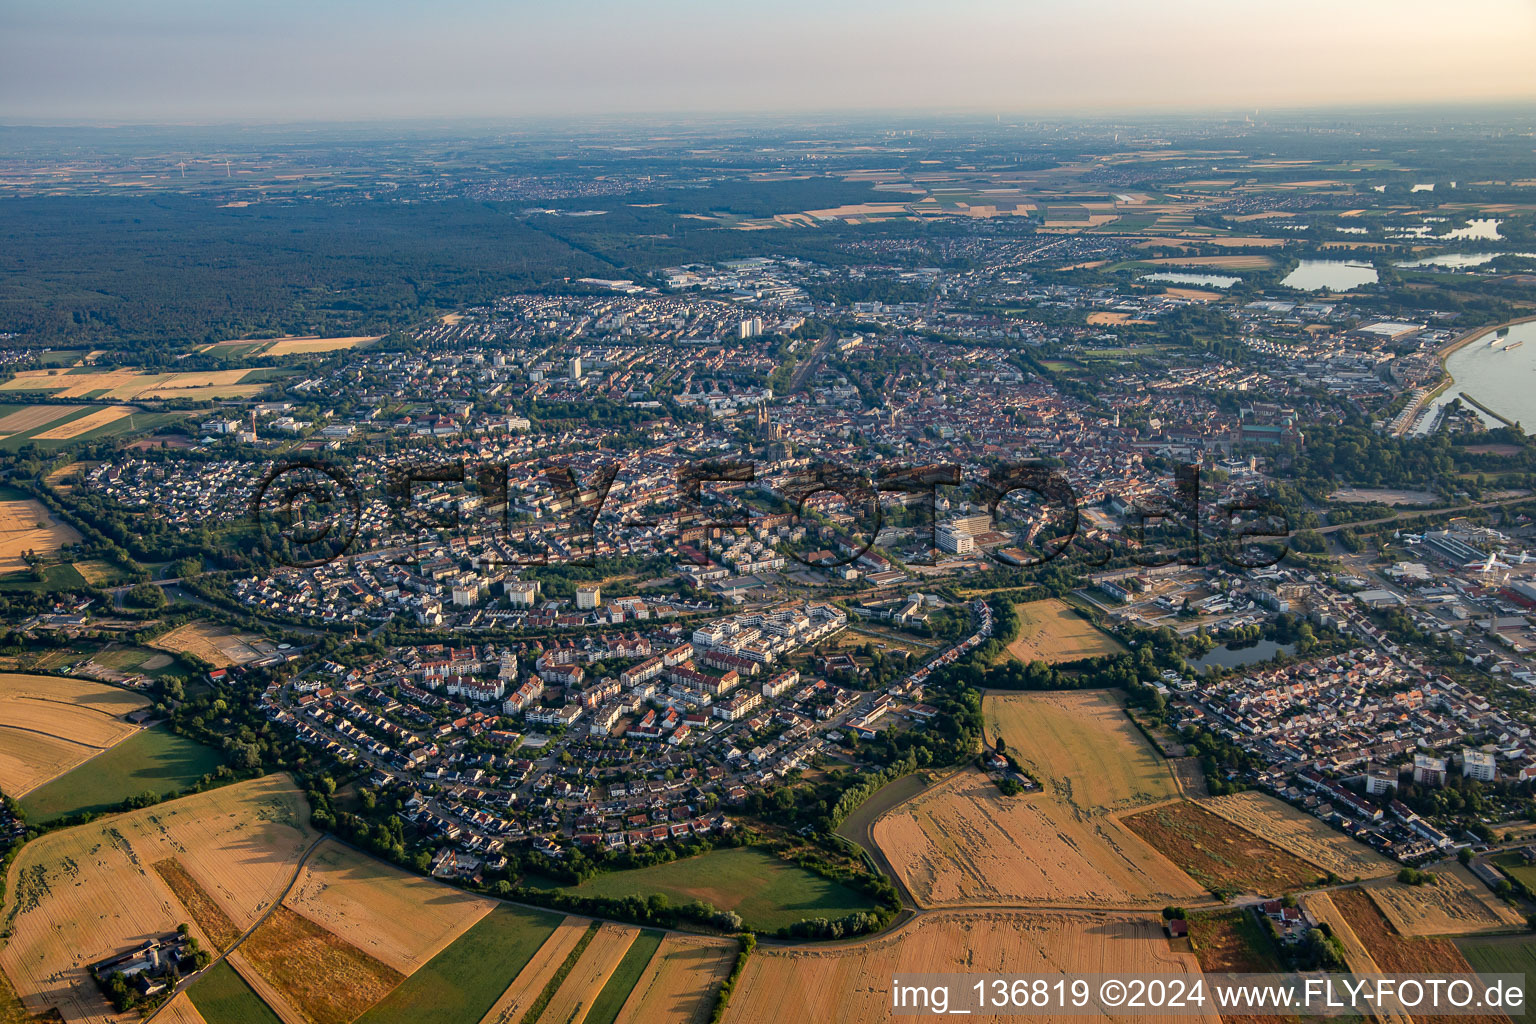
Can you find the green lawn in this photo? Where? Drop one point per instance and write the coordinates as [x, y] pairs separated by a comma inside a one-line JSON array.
[[223, 997], [464, 981], [767, 892], [1513, 865], [605, 1010], [62, 576], [152, 761]]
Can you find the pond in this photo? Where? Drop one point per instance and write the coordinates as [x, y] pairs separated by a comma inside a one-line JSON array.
[[1334, 275], [1236, 656]]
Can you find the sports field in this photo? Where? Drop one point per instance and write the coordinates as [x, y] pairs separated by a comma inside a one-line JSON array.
[[151, 761], [767, 892], [1052, 631]]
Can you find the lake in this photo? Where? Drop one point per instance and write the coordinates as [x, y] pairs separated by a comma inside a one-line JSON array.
[[1334, 275], [1460, 260], [1228, 656], [1497, 369], [1212, 280], [1484, 229]]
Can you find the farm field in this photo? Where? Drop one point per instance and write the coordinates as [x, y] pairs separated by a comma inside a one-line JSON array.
[[223, 997], [1500, 955], [180, 1010], [604, 1006], [400, 919], [27, 525], [531, 981], [1082, 748], [49, 724], [850, 983], [1052, 631], [1231, 940], [219, 646], [81, 894], [1456, 904], [1301, 834], [327, 979], [590, 973], [680, 982], [767, 892], [152, 760], [79, 427], [23, 421], [308, 343], [130, 384], [1218, 854], [965, 843], [465, 980], [1394, 953]]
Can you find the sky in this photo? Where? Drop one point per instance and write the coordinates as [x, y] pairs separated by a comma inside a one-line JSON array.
[[154, 61]]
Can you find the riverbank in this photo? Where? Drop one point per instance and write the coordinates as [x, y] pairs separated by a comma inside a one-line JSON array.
[[1426, 403]]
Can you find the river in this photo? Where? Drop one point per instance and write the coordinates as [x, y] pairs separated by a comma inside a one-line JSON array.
[[1499, 370]]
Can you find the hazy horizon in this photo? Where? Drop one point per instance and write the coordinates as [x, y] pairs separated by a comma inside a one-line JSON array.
[[176, 61]]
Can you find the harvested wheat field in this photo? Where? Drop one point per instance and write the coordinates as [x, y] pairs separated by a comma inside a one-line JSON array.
[[31, 417], [964, 843], [219, 646], [1052, 631], [27, 525], [85, 424], [205, 910], [399, 919], [180, 1011], [328, 980], [1217, 853], [574, 997], [310, 343], [81, 894], [1106, 319], [1394, 953], [1224, 262], [1301, 834], [531, 980], [680, 982], [851, 984], [48, 725], [1456, 904], [1082, 747], [127, 384]]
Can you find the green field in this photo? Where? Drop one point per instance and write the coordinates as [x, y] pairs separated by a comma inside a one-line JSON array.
[[153, 761], [1513, 865], [62, 576], [223, 997], [767, 892], [605, 1010], [1500, 956], [464, 981]]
